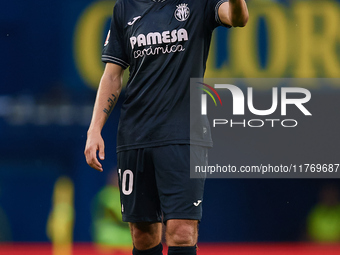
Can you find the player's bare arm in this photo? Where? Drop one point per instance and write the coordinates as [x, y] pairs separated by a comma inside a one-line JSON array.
[[234, 13], [107, 95]]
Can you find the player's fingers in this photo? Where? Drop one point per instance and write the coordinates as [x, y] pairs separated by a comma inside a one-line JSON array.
[[94, 161], [91, 159], [101, 151], [96, 165]]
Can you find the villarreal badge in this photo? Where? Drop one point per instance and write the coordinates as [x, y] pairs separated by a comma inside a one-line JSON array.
[[182, 12]]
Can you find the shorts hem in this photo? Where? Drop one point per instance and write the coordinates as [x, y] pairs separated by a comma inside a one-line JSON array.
[[135, 219], [181, 216]]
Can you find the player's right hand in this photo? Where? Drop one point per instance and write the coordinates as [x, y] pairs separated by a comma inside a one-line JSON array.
[[94, 143]]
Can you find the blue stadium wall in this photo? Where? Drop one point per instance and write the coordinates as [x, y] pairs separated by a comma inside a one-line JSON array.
[[50, 68]]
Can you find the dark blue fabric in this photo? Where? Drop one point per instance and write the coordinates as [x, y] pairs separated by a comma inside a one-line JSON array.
[[155, 182], [182, 250], [165, 44], [157, 250]]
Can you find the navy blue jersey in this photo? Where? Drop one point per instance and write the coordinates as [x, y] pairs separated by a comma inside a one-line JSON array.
[[165, 44]]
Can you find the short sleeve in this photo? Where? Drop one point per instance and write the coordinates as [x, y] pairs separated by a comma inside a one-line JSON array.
[[114, 50], [211, 13]]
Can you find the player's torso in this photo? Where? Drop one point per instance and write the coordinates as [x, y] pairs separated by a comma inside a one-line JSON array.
[[166, 43], [153, 30]]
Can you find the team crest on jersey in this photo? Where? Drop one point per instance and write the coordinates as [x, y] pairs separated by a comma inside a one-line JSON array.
[[107, 38], [182, 12]]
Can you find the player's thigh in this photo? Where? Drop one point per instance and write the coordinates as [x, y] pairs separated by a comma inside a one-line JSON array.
[[138, 189], [181, 196]]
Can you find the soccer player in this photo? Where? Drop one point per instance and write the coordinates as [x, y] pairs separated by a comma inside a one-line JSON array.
[[164, 43]]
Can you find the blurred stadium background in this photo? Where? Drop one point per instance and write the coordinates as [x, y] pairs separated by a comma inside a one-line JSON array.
[[50, 67]]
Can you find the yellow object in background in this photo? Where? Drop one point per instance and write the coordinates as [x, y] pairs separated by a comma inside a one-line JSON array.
[[109, 231], [323, 223], [61, 219]]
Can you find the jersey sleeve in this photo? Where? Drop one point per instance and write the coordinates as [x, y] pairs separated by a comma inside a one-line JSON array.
[[211, 13], [114, 50]]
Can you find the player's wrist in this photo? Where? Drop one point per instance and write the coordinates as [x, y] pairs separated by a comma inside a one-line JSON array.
[[94, 130]]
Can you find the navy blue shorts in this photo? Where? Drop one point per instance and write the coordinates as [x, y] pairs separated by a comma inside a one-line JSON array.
[[155, 183]]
